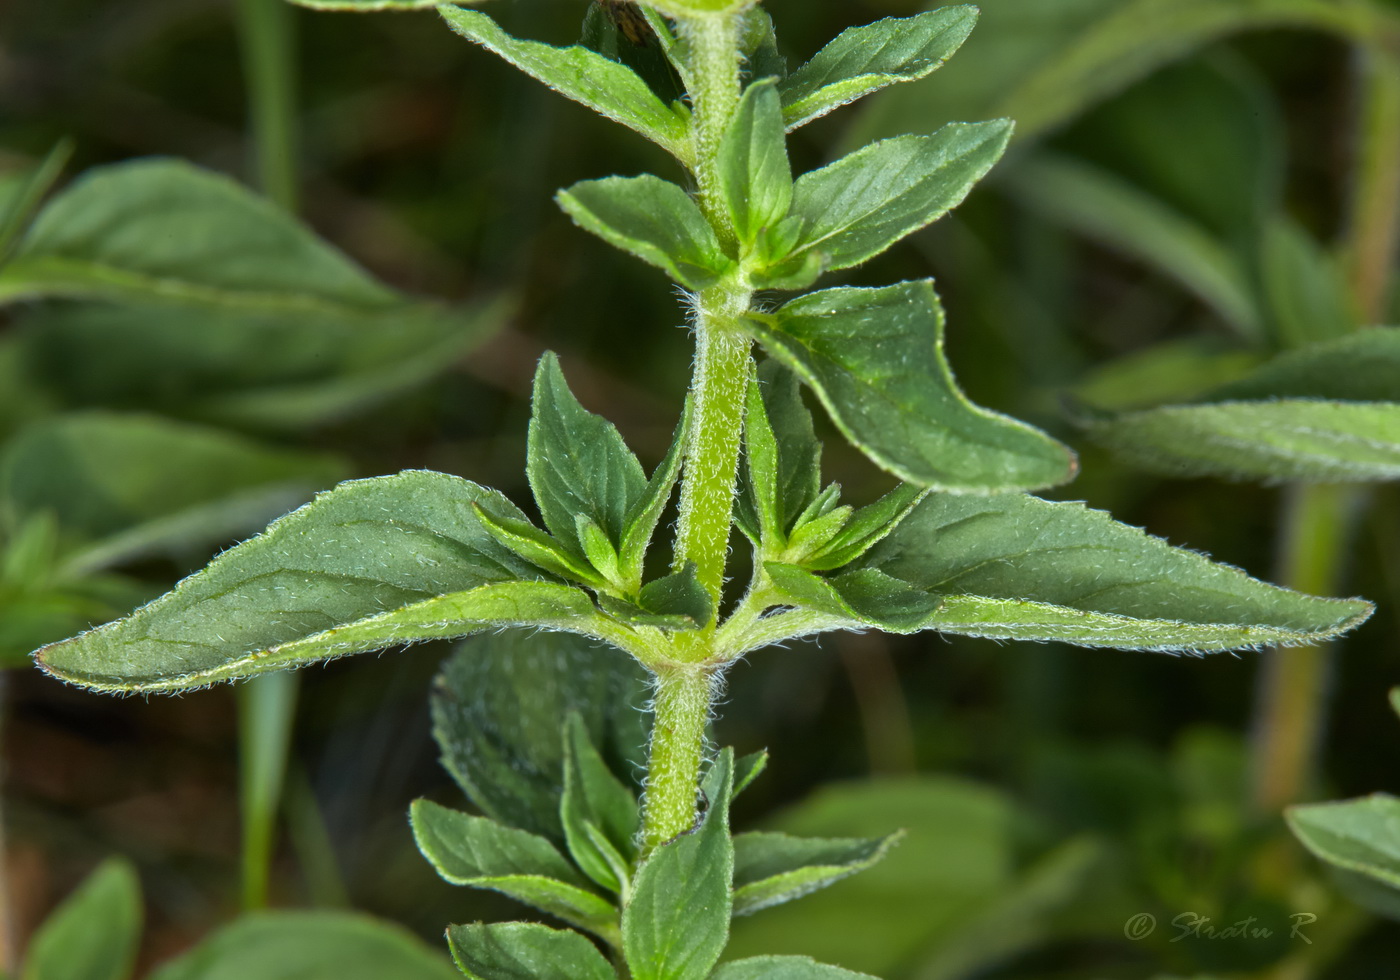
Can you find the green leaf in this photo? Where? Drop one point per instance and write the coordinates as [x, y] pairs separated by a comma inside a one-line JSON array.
[[866, 528], [770, 869], [957, 856], [18, 205], [1361, 836], [1095, 203], [653, 219], [679, 594], [371, 564], [1044, 64], [864, 597], [108, 480], [1395, 699], [748, 768], [865, 59], [1016, 567], [1288, 439], [1361, 367], [755, 177], [784, 968], [497, 705], [165, 230], [783, 455], [1305, 286], [94, 934], [577, 462], [646, 511], [1173, 371], [606, 87], [309, 946], [677, 922], [525, 951], [875, 359], [855, 208], [595, 799], [481, 853], [537, 547]]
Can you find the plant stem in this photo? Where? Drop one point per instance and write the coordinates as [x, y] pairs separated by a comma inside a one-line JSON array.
[[722, 371], [267, 705], [268, 41], [715, 92], [682, 709], [1291, 704], [266, 710], [685, 686], [1375, 203], [722, 366]]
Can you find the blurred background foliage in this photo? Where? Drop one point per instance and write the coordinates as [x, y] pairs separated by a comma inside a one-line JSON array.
[[1195, 186]]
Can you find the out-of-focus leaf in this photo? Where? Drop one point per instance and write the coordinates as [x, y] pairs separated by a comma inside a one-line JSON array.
[[164, 230], [371, 564], [128, 485], [370, 6], [1014, 566], [309, 946], [497, 706], [525, 951], [784, 968], [1361, 835], [1304, 286], [1104, 207], [865, 59], [1175, 371], [20, 197], [217, 301], [677, 921], [1361, 367], [770, 869], [1017, 921], [1231, 183], [1044, 64], [94, 934], [875, 359], [956, 857], [1286, 439], [606, 87]]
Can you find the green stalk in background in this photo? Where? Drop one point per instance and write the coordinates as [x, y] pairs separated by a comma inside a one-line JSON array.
[[1290, 715], [267, 705]]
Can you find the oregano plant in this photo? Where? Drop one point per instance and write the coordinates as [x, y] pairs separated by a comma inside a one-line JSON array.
[[647, 872]]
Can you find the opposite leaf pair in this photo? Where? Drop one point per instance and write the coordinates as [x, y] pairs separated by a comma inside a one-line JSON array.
[[666, 913]]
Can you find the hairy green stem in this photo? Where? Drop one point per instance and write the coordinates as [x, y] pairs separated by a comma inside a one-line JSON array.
[[267, 704], [715, 92], [722, 371], [682, 710], [710, 473], [1291, 706]]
